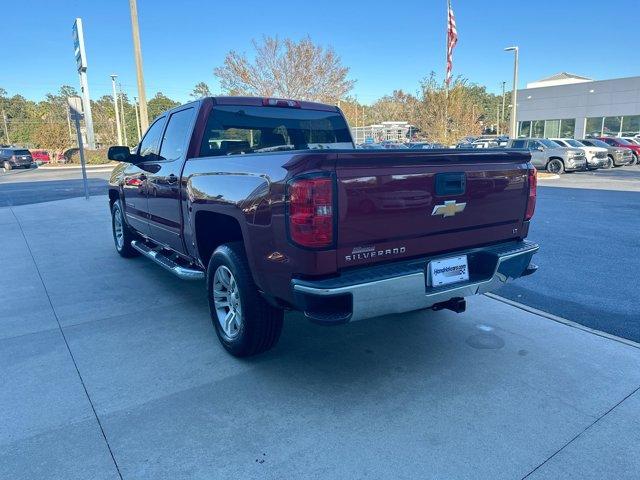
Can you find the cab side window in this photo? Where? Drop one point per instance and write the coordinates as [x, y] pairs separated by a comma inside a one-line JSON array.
[[519, 144], [150, 145], [174, 142]]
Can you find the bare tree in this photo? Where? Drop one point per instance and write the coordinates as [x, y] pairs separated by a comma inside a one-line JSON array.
[[286, 68]]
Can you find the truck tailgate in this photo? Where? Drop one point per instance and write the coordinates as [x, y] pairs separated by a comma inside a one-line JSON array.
[[395, 204]]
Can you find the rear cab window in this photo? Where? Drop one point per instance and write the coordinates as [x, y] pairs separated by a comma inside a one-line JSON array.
[[236, 130]]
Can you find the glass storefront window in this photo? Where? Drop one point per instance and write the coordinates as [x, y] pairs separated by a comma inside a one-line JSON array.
[[524, 129], [612, 125], [630, 125], [567, 127], [552, 128], [594, 127], [537, 128]]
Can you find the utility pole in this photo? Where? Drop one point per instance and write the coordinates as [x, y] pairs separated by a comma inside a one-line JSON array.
[[115, 107], [502, 117], [144, 117], [514, 93], [135, 107], [124, 122], [6, 130], [498, 120]]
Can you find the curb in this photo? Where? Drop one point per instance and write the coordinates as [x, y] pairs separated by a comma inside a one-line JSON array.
[[89, 167], [564, 321], [547, 176]]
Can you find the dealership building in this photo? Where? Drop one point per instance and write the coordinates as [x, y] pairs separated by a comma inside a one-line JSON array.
[[567, 105]]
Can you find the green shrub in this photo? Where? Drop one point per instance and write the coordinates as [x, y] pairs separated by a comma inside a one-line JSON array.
[[92, 157]]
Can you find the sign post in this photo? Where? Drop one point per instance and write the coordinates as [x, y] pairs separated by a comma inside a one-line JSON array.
[[81, 62], [76, 114]]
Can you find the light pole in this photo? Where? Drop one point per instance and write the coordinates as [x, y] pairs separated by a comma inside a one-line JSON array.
[[137, 52], [115, 107], [501, 122], [135, 106], [514, 93], [124, 121]]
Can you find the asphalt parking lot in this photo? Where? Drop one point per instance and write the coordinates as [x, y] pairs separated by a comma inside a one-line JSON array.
[[27, 186], [587, 225], [111, 369]]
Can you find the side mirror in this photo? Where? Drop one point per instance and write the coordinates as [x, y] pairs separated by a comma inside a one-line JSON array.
[[122, 154], [540, 149]]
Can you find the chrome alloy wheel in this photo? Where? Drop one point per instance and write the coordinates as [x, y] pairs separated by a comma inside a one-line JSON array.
[[118, 229], [226, 299]]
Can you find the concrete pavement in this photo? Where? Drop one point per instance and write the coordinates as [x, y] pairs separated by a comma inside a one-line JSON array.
[[111, 369]]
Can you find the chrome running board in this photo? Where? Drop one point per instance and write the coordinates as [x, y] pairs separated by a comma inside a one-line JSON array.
[[166, 263]]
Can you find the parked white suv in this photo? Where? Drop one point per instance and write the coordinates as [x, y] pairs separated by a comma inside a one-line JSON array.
[[548, 155], [596, 156]]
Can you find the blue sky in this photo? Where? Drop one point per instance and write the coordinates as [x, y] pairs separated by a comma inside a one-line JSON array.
[[386, 48]]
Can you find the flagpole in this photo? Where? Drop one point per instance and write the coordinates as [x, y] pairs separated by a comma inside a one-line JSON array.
[[446, 77]]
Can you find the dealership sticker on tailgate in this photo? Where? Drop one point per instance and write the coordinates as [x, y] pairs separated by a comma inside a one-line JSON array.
[[448, 270]]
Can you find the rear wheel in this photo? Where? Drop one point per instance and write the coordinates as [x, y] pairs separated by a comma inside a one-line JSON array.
[[555, 166], [635, 160], [245, 323], [122, 234]]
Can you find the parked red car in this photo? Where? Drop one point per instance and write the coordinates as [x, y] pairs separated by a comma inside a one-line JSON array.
[[40, 156], [622, 143]]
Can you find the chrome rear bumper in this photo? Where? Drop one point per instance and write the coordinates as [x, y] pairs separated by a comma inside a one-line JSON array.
[[403, 286]]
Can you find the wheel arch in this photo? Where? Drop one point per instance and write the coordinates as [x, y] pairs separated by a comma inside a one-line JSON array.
[[212, 229]]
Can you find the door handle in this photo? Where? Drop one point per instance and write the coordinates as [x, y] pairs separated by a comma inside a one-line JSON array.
[[172, 178]]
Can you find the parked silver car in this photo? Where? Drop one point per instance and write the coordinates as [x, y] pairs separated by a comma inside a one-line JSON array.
[[616, 156], [596, 156], [548, 155]]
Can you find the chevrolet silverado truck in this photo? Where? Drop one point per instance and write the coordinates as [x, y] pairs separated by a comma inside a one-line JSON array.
[[269, 202]]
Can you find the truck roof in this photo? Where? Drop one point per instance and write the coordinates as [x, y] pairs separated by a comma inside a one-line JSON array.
[[259, 101]]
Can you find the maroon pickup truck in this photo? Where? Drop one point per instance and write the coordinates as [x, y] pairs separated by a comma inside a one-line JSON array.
[[269, 201]]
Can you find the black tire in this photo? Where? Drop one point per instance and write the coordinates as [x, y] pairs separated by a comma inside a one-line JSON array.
[[556, 166], [123, 247], [635, 160], [6, 166], [610, 163], [261, 323]]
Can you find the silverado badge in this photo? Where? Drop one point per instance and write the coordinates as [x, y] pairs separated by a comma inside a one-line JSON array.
[[448, 209]]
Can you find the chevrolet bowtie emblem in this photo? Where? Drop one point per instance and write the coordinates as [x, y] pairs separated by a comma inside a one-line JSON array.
[[448, 209]]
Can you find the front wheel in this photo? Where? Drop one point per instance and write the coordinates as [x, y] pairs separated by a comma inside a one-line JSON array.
[[6, 166], [245, 323], [122, 234], [555, 166], [635, 160], [610, 163]]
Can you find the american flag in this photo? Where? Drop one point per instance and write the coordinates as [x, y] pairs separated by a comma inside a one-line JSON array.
[[452, 39]]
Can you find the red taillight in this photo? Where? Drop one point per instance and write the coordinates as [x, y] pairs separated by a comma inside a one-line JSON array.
[[311, 212], [533, 187], [278, 102]]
